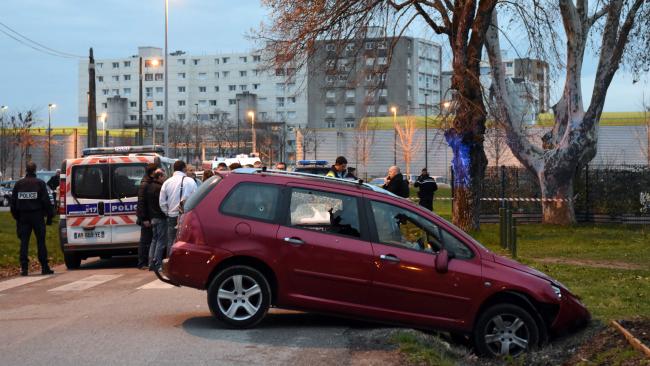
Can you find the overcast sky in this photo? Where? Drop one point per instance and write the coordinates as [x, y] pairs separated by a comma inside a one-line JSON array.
[[115, 28]]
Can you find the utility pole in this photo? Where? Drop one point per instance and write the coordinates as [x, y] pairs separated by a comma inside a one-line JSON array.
[[140, 122], [92, 108], [426, 133], [3, 155]]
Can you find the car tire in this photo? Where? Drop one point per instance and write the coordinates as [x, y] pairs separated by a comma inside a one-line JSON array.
[[505, 330], [72, 260], [229, 301]]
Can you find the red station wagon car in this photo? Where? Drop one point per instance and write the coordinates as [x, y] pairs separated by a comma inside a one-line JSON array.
[[255, 239]]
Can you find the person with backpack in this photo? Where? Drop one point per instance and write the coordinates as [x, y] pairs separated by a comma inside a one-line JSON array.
[[428, 187], [395, 182]]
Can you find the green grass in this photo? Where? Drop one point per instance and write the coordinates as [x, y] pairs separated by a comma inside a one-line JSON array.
[[418, 352], [10, 245]]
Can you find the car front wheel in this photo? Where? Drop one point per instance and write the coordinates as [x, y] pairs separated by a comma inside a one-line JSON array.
[[505, 330], [239, 296]]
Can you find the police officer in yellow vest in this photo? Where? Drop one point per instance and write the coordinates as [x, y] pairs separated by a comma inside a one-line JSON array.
[[30, 204]]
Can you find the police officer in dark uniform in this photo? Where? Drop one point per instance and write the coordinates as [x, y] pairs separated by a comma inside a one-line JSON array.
[[30, 203]]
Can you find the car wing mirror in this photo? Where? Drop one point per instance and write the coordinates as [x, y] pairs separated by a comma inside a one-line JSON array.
[[442, 261]]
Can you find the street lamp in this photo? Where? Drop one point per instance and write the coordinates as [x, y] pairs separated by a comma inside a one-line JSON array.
[[49, 135], [166, 137], [251, 114], [394, 111], [2, 145]]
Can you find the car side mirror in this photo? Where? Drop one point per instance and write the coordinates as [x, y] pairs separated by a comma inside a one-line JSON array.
[[442, 261]]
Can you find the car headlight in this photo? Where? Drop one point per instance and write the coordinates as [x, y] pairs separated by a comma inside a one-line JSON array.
[[557, 291]]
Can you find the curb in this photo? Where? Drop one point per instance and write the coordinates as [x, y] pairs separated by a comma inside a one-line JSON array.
[[634, 342]]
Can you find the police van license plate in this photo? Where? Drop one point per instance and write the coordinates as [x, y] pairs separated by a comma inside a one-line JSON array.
[[90, 235]]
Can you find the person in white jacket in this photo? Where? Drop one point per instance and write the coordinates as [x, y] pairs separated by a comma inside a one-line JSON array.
[[175, 190]]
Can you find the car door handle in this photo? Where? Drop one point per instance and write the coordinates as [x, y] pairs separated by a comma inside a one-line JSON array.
[[296, 241], [389, 258]]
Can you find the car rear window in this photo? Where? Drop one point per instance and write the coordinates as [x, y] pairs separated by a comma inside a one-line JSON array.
[[203, 190], [89, 181], [253, 200]]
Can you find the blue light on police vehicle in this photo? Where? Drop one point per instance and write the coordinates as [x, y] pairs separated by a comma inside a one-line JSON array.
[[312, 162]]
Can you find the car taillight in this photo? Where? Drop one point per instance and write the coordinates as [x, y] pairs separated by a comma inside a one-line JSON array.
[[62, 197], [189, 229]]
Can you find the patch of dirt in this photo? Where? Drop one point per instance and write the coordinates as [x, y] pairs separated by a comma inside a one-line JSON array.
[[11, 271], [608, 347], [591, 263], [639, 327]]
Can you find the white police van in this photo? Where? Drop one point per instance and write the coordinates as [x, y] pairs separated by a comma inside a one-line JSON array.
[[98, 197]]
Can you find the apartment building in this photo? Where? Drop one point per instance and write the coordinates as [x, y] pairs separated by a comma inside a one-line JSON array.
[[219, 87], [352, 79]]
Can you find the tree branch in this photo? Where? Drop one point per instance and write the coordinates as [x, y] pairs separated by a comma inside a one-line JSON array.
[[436, 28]]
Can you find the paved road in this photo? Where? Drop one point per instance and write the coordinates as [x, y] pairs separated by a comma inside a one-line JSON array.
[[109, 313]]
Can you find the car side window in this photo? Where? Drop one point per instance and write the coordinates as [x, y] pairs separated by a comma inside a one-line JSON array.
[[401, 227], [323, 211], [255, 201], [455, 246], [126, 180]]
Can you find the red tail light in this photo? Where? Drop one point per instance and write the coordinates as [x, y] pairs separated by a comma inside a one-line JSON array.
[[62, 197], [189, 229]]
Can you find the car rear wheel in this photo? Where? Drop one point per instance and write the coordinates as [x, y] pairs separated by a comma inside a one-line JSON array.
[[505, 330], [239, 296], [72, 260]]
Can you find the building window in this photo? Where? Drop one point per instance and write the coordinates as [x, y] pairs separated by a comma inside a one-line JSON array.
[[127, 63], [148, 77], [216, 61], [279, 87], [203, 76], [100, 65], [100, 79], [349, 109], [181, 89], [150, 63], [243, 59], [105, 105], [370, 109], [159, 117], [213, 103], [105, 91], [116, 91], [279, 116], [148, 92], [242, 73], [127, 91], [290, 86], [181, 75], [350, 93], [181, 103], [159, 103], [331, 124], [383, 108], [368, 77], [349, 124], [370, 61], [232, 87], [330, 47], [133, 117], [257, 58], [232, 101], [383, 92], [330, 109], [369, 45], [181, 116], [330, 79], [213, 116], [279, 102], [256, 72], [133, 104], [291, 100], [291, 115], [225, 60], [225, 74], [181, 61], [116, 78], [149, 105], [126, 77], [382, 60], [381, 45], [203, 89], [256, 86], [242, 87], [203, 103], [216, 75], [382, 77], [159, 90], [195, 61], [279, 72], [116, 65], [216, 88], [349, 47], [159, 77]]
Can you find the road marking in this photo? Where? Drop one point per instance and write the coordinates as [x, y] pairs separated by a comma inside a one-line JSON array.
[[19, 281], [155, 285], [86, 283]]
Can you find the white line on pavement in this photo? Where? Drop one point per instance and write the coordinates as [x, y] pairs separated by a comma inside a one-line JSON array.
[[19, 281], [86, 283], [154, 285]]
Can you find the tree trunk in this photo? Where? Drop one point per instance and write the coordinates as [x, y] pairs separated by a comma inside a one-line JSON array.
[[557, 193]]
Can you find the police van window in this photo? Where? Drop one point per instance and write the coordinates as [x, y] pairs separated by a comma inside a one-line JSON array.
[[126, 180], [327, 212], [90, 181], [255, 201]]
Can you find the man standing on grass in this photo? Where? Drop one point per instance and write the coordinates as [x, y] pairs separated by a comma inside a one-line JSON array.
[[30, 203], [428, 187]]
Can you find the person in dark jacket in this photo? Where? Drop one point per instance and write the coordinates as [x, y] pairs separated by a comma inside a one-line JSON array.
[[395, 182], [144, 220], [53, 183], [428, 187], [30, 203], [158, 220], [340, 169]]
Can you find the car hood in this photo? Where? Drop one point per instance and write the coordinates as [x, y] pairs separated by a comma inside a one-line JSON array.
[[523, 268]]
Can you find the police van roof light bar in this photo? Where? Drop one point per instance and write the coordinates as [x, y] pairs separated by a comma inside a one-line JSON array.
[[123, 150], [312, 162]]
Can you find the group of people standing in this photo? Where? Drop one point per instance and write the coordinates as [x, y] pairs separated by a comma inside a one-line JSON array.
[[160, 202]]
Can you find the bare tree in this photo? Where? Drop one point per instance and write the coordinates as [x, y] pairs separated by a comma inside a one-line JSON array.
[[572, 141], [297, 26], [364, 138], [407, 141]]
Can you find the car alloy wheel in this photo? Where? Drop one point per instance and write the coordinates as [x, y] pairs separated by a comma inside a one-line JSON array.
[[239, 296], [506, 330]]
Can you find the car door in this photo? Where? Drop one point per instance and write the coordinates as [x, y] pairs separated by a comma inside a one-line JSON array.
[[125, 178], [325, 255], [85, 209], [406, 283]]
